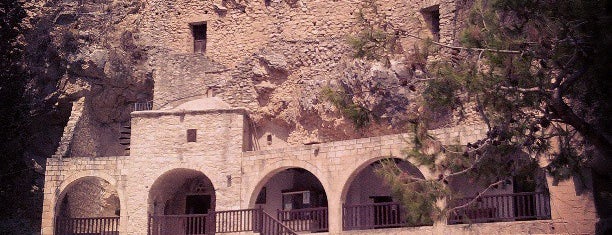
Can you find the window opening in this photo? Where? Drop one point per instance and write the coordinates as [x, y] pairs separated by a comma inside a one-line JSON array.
[[432, 18], [192, 135], [197, 204], [269, 139], [199, 37]]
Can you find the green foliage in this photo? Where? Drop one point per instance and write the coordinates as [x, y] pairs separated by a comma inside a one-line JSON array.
[[20, 216], [552, 75], [418, 196], [359, 115], [373, 41]]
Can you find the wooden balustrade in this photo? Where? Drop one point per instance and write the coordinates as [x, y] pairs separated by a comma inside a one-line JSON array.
[[272, 226], [308, 219], [372, 215], [180, 224], [237, 220], [231, 221], [87, 226], [502, 207]]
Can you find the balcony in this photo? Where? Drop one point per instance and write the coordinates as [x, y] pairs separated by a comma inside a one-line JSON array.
[[503, 207], [87, 226]]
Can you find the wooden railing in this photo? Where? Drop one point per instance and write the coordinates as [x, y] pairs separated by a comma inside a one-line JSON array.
[[237, 220], [180, 224], [372, 215], [89, 226], [272, 226], [233, 221], [502, 207], [309, 219]]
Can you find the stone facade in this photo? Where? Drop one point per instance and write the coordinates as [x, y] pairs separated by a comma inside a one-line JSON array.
[[222, 153], [225, 116]]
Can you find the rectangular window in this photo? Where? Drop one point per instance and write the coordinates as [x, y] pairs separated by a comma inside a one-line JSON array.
[[192, 135], [199, 37], [432, 18]]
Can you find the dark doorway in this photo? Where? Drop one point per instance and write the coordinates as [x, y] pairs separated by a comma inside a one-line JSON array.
[[432, 18], [385, 212], [199, 37], [197, 204], [524, 204]]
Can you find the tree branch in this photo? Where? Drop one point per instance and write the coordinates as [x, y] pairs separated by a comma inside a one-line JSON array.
[[524, 90], [562, 110], [404, 33], [477, 196]]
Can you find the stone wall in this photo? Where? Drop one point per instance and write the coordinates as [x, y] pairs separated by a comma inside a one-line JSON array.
[[159, 145], [92, 197], [76, 112], [237, 174], [61, 174], [274, 58]]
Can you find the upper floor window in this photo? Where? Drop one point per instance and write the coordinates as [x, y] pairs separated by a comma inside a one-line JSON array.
[[199, 37], [432, 18], [192, 135]]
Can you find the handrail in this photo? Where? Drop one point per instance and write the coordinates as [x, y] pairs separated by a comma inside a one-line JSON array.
[[374, 204], [306, 219], [272, 226], [506, 194], [180, 216], [304, 209], [92, 225]]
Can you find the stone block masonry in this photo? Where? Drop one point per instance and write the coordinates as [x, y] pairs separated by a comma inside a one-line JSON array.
[[220, 156], [262, 58]]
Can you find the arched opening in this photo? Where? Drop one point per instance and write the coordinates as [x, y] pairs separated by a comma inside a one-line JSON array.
[[180, 201], [297, 198], [89, 205], [521, 195], [368, 199]]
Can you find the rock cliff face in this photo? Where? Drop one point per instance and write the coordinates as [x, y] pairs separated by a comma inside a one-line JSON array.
[[272, 57], [90, 61], [85, 49]]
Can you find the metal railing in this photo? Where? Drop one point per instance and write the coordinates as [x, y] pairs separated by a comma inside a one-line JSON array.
[[372, 215], [143, 106], [502, 207], [95, 225], [308, 219]]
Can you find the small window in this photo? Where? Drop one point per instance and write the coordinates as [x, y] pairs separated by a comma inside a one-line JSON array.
[[432, 18], [269, 139], [192, 135], [199, 37]]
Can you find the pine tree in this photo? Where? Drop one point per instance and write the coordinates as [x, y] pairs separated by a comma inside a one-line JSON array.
[[17, 214], [539, 75]]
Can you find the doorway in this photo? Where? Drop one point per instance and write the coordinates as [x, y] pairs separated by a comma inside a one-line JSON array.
[[197, 204]]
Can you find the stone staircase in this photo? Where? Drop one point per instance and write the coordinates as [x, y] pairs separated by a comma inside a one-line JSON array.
[[63, 150]]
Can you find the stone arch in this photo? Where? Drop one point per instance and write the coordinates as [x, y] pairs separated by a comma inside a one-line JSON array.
[[349, 180], [110, 203], [296, 196], [181, 191], [74, 178], [282, 165]]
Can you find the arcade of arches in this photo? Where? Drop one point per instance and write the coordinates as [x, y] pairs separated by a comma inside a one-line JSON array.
[[306, 188]]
